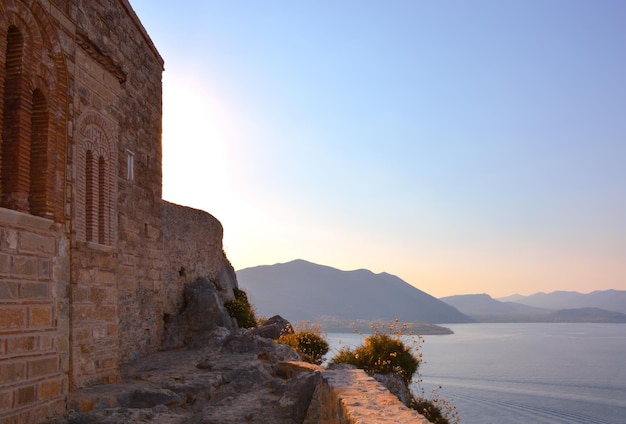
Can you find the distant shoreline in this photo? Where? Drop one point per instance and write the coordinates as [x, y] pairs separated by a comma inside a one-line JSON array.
[[337, 325]]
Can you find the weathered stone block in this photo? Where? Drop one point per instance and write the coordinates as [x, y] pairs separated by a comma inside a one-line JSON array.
[[106, 278], [41, 367], [9, 290], [9, 239], [6, 401], [44, 269], [37, 244], [34, 291], [5, 263], [25, 266], [22, 344], [49, 389], [12, 371], [40, 316], [25, 395], [12, 317]]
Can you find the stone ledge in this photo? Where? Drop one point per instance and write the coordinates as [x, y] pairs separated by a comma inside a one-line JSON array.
[[9, 216], [353, 397]]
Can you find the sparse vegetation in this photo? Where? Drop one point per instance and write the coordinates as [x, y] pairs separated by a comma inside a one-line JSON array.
[[241, 309], [436, 409], [385, 352], [381, 354], [309, 340]]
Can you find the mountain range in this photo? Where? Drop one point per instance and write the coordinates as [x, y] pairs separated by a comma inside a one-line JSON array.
[[611, 300], [599, 306], [339, 300], [304, 291]]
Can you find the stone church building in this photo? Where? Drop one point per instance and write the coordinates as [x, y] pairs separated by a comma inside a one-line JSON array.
[[92, 260]]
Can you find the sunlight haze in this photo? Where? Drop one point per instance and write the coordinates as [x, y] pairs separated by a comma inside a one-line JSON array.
[[464, 146]]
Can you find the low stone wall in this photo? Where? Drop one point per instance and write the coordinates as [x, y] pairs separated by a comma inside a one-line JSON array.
[[350, 396], [192, 248]]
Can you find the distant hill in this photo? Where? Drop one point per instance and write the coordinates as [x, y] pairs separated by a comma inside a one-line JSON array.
[[483, 308], [611, 300], [301, 291], [587, 315]]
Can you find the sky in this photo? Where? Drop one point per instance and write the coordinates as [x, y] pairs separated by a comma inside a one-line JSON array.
[[464, 146]]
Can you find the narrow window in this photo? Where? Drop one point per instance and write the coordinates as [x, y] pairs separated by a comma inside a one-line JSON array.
[[89, 196], [130, 166], [13, 182], [38, 155], [102, 204]]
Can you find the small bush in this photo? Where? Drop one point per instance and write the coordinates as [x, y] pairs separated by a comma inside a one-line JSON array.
[[436, 409], [429, 410], [309, 341], [385, 352], [381, 354], [241, 310]]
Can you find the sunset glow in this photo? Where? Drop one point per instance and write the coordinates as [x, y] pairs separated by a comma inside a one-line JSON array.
[[466, 147]]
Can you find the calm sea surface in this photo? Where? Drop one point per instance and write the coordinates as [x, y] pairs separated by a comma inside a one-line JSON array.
[[523, 373]]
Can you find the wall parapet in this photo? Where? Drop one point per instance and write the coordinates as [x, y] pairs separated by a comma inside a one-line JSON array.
[[350, 396]]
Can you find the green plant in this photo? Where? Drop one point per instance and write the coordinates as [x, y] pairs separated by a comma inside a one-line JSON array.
[[241, 309], [436, 409], [381, 354], [308, 340], [385, 351]]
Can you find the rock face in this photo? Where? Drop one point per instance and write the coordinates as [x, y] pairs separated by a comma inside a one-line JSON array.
[[225, 376], [243, 378], [274, 327], [203, 312], [209, 372], [396, 385]]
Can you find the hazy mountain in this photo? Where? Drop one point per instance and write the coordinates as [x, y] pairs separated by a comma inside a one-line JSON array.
[[300, 290], [587, 315], [483, 308], [611, 300]]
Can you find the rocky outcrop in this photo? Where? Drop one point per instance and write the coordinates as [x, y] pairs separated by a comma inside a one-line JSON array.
[[202, 312], [192, 246], [274, 327], [244, 378], [227, 376], [396, 385]]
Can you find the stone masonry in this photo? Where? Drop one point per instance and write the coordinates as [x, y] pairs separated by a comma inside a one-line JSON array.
[[85, 277], [94, 265]]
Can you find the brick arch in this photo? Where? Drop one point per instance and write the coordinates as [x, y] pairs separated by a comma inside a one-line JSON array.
[[43, 73], [96, 169]]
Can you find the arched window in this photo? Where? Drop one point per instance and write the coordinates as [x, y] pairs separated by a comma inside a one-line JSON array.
[[38, 155], [90, 207], [96, 158], [24, 167], [102, 200], [96, 196], [15, 149]]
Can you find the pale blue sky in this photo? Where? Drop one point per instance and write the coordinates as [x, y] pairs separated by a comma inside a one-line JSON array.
[[465, 146]]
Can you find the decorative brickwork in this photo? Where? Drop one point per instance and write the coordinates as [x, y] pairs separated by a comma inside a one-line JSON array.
[[91, 258], [79, 83], [33, 85], [96, 162]]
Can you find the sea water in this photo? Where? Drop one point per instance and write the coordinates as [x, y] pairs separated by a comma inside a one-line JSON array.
[[522, 373]]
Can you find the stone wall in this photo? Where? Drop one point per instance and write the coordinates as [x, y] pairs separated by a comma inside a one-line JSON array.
[[34, 317], [81, 255], [117, 108], [192, 246], [351, 396]]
